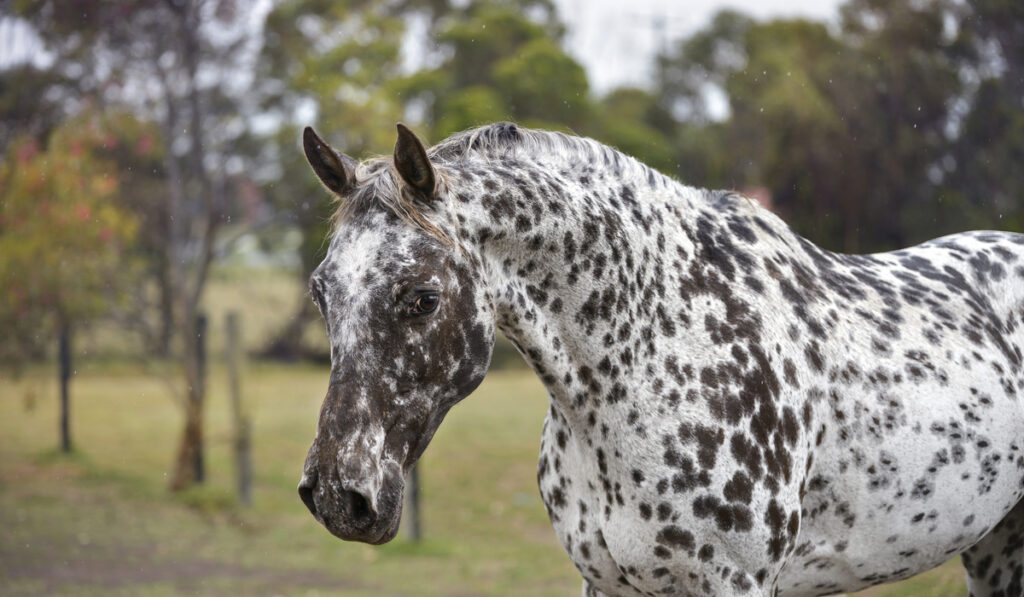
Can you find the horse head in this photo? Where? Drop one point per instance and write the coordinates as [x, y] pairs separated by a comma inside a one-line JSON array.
[[411, 331]]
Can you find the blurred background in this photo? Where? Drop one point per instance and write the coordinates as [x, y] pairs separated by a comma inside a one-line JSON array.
[[161, 364]]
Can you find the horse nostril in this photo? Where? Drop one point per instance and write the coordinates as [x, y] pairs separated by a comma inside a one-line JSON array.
[[306, 493], [360, 506]]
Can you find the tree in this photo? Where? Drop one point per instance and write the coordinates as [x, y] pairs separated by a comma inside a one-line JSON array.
[[631, 120], [500, 60], [63, 240], [169, 61], [493, 60], [543, 84], [982, 168], [847, 129], [31, 102], [789, 130]]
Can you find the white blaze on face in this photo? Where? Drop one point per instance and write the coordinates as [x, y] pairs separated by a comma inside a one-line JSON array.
[[359, 457]]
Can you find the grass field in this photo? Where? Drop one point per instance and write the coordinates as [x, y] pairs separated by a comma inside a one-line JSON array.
[[101, 522]]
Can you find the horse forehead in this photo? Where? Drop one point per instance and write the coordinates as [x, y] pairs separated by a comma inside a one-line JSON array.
[[360, 254]]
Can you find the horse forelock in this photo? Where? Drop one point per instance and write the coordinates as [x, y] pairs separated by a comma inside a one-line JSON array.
[[378, 186]]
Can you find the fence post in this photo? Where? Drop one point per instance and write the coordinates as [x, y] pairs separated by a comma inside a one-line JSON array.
[[64, 356], [200, 472], [413, 530], [243, 460]]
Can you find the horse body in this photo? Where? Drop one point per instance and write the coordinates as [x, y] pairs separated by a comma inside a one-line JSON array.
[[733, 410], [921, 420]]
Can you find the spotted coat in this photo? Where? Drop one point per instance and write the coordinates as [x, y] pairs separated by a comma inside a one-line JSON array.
[[733, 410]]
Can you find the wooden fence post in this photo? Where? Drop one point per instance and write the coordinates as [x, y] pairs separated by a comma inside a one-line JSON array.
[[64, 356], [243, 459], [413, 529]]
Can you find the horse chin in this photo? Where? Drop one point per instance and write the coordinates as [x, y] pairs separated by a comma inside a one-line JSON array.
[[378, 534], [389, 532]]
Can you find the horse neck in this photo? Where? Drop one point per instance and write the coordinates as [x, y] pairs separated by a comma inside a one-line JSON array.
[[572, 256]]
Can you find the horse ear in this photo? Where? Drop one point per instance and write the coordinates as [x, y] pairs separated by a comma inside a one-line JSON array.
[[334, 169], [412, 163]]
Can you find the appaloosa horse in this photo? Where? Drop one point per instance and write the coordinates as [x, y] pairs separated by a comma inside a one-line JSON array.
[[733, 410]]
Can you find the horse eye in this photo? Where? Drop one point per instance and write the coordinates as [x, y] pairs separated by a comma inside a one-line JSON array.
[[424, 304]]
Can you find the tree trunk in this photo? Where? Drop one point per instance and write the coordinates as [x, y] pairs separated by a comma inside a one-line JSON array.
[[188, 468], [64, 357], [166, 290]]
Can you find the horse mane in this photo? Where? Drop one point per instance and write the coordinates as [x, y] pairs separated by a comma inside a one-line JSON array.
[[377, 182], [508, 140]]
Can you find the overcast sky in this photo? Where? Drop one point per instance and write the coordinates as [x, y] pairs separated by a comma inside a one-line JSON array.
[[617, 39]]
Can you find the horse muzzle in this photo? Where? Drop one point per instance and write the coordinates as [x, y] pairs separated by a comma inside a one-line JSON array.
[[353, 508]]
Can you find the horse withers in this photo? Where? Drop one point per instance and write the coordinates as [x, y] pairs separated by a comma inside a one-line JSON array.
[[733, 410]]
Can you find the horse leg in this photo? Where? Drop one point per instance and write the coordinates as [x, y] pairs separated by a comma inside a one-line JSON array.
[[995, 564]]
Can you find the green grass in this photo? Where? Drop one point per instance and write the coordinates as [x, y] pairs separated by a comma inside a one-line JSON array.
[[101, 522]]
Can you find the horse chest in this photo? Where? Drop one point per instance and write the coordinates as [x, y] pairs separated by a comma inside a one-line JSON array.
[[627, 519], [577, 501]]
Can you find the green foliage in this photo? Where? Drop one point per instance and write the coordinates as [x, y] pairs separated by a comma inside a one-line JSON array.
[[704, 60], [631, 120], [483, 34], [62, 237], [901, 123], [785, 130], [860, 133], [473, 106], [541, 82], [340, 62], [501, 60], [984, 164]]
